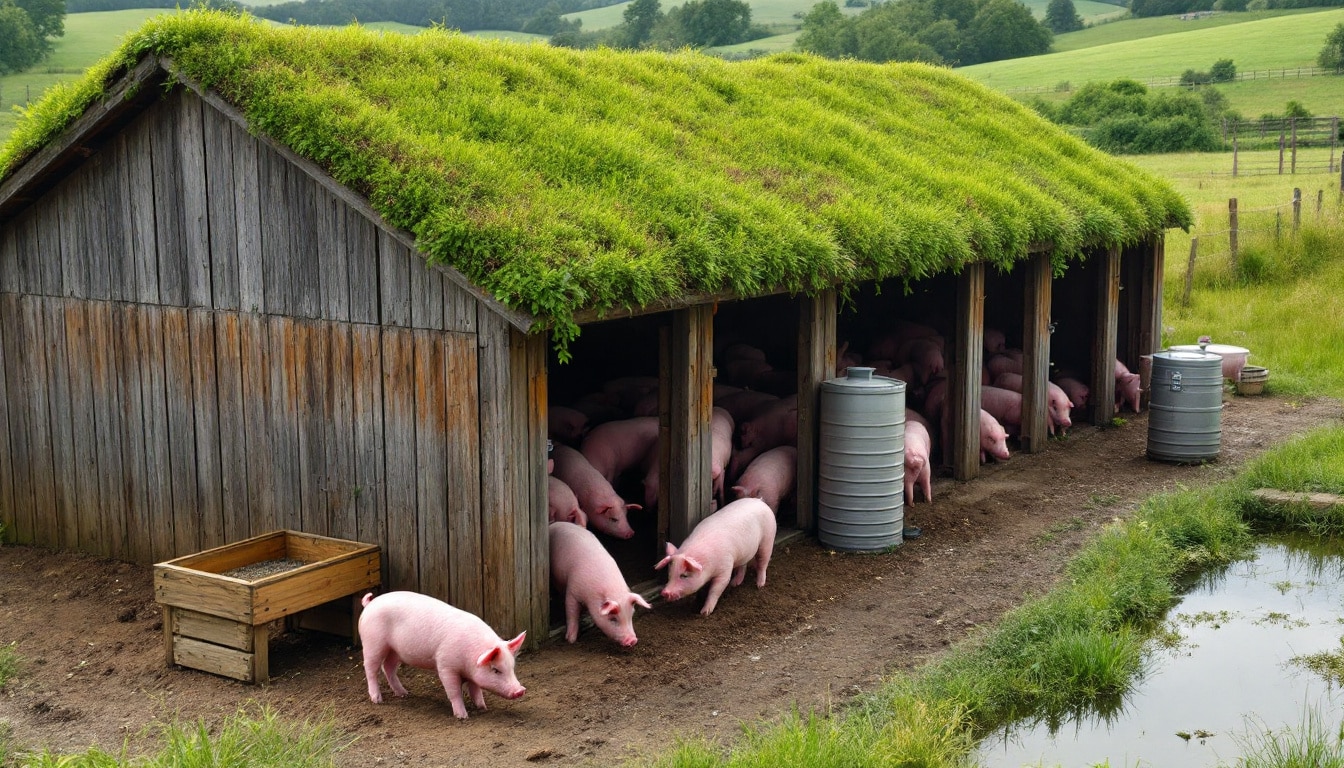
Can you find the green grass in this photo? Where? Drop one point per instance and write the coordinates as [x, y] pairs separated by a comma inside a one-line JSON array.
[[1269, 43], [9, 663], [504, 34], [769, 13], [1138, 29], [253, 737], [1312, 744], [1090, 11]]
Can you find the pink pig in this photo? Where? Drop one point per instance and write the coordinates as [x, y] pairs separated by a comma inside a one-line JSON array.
[[587, 574], [1057, 401], [1126, 387], [1074, 389], [770, 476], [606, 510], [616, 446], [1004, 405], [1003, 363], [993, 438], [995, 341], [562, 504], [719, 549], [925, 355], [566, 424], [918, 446], [721, 436], [415, 629]]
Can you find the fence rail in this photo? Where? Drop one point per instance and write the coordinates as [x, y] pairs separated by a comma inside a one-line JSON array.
[[1174, 81]]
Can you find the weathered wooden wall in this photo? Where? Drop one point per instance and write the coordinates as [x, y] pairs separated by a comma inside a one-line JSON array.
[[201, 342]]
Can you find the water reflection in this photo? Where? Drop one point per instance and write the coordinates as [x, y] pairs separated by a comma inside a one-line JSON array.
[[1239, 629]]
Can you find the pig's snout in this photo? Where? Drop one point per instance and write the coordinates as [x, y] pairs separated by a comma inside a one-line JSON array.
[[671, 595], [518, 694], [629, 642]]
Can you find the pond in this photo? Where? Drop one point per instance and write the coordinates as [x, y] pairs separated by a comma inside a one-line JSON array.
[[1237, 666]]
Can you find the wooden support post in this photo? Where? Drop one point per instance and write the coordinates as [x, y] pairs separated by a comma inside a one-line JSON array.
[[687, 480], [1101, 402], [1232, 230], [816, 363], [1150, 290], [968, 351], [1190, 271], [1036, 353]]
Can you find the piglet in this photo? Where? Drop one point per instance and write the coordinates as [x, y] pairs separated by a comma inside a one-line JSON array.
[[588, 576], [719, 549], [770, 476], [993, 438], [561, 503], [416, 629], [605, 508]]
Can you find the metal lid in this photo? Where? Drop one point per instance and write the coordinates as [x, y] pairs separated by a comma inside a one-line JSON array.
[[860, 380], [1187, 354], [1217, 349]]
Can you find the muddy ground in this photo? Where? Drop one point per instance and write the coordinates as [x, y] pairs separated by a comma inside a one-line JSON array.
[[825, 627]]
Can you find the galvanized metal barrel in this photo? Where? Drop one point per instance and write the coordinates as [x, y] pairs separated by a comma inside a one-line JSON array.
[[861, 488], [1186, 406]]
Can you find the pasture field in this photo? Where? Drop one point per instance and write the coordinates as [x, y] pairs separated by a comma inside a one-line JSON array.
[[1091, 11], [1136, 29], [770, 13], [504, 34], [1271, 43], [1322, 96]]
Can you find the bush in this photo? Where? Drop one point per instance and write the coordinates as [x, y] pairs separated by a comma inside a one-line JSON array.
[[1223, 71], [1332, 55]]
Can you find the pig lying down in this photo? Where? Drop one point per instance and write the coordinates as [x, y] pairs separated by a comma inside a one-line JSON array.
[[416, 629], [719, 549]]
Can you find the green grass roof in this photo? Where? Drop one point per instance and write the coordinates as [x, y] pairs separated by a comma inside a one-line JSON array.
[[563, 180]]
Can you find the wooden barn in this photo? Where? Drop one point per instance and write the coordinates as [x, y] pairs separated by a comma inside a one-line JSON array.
[[330, 280]]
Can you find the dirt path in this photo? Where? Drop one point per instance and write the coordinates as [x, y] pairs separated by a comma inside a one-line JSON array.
[[827, 625]]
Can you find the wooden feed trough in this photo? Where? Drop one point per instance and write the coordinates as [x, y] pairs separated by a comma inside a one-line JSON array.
[[218, 623]]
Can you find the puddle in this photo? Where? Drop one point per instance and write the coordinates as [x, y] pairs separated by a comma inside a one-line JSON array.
[[1240, 629]]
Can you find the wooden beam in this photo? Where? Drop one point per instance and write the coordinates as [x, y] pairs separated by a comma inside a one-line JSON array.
[[1150, 309], [1106, 300], [816, 363], [1036, 353], [967, 349], [687, 481]]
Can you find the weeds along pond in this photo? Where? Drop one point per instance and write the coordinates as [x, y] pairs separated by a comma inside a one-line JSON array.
[[1250, 648]]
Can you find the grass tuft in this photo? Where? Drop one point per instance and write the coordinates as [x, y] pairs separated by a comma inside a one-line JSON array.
[[1312, 744]]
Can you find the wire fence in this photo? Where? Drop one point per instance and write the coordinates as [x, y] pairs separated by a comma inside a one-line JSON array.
[[1270, 223]]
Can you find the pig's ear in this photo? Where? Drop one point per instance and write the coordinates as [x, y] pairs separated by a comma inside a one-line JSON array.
[[693, 565], [489, 656], [517, 642], [610, 608], [634, 506], [740, 491], [638, 599]]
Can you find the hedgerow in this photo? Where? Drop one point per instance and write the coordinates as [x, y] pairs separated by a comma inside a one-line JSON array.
[[563, 180]]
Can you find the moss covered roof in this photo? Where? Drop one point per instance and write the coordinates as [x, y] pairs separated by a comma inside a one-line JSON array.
[[563, 180]]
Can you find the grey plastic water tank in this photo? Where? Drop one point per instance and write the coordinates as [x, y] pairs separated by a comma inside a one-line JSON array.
[[1186, 406], [861, 489]]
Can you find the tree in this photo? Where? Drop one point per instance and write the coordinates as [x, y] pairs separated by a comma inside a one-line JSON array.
[[48, 17], [23, 47], [1003, 29], [1223, 71], [1061, 16], [1332, 55], [706, 23], [640, 18], [826, 31]]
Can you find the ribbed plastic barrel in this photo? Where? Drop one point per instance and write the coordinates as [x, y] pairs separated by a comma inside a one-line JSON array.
[[1186, 406], [861, 489]]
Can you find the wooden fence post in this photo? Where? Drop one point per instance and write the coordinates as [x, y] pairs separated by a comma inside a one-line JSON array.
[[1293, 167], [1297, 209], [1190, 271], [1234, 152], [1334, 139], [1281, 142], [1232, 229]]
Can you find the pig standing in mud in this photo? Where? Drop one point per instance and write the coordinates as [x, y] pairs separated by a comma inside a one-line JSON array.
[[416, 629], [719, 550], [586, 573]]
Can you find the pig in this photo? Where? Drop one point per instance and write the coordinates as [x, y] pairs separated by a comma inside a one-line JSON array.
[[1058, 404], [777, 425], [742, 351], [1126, 388], [721, 448], [629, 389], [1004, 405], [935, 396], [993, 438], [586, 573], [844, 359], [918, 447], [745, 404], [1002, 363], [925, 355], [416, 629], [598, 407], [652, 467], [606, 510], [1075, 390], [567, 425], [616, 446], [562, 504], [743, 372], [719, 549], [769, 477], [995, 341]]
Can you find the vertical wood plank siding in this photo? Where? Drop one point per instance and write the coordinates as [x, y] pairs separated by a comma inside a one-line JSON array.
[[967, 358], [199, 343]]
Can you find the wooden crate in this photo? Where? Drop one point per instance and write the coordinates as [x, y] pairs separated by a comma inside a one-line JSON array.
[[218, 623]]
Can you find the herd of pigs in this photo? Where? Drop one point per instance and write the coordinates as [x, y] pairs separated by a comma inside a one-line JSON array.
[[608, 440]]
